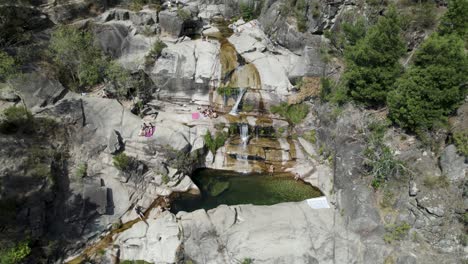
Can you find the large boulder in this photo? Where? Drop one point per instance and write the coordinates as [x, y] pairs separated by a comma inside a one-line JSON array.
[[184, 70], [38, 91], [171, 23], [282, 233], [452, 164]]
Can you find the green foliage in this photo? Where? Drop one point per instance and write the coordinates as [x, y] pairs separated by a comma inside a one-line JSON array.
[[396, 232], [461, 142], [250, 10], [16, 118], [165, 179], [38, 163], [378, 158], [79, 62], [155, 52], [311, 136], [214, 143], [336, 93], [434, 182], [454, 20], [247, 107], [354, 32], [183, 160], [300, 13], [432, 88], [8, 67], [120, 77], [81, 170], [184, 14], [15, 254], [372, 64], [227, 90], [293, 113], [388, 199], [247, 261], [121, 161]]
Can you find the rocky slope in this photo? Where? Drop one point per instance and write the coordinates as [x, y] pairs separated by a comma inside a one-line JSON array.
[[96, 216]]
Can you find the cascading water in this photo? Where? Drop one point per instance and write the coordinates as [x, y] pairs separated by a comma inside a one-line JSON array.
[[244, 133], [235, 109]]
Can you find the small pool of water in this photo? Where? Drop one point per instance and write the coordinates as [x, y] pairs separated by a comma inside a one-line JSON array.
[[231, 188]]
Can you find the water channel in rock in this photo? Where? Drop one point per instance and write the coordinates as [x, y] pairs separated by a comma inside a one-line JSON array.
[[227, 187]]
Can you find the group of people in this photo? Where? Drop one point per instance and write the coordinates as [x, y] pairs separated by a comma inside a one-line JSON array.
[[147, 130], [209, 112]]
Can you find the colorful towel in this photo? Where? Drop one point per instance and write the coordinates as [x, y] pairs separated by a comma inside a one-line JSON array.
[[149, 131], [195, 116]]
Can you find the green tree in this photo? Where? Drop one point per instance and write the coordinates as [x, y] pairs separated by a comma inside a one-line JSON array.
[[372, 64], [79, 62], [15, 254], [7, 66], [455, 19], [433, 87]]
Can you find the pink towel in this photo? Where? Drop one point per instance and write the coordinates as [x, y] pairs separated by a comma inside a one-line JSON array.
[[149, 132], [195, 116]]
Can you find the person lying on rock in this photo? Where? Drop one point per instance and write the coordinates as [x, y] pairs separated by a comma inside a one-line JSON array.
[[143, 129]]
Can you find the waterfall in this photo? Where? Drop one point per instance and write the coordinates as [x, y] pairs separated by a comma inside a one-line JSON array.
[[244, 133], [239, 99]]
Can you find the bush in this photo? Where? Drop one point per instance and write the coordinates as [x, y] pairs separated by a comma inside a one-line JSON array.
[[432, 88], [80, 64], [454, 20], [15, 254], [396, 232], [311, 136], [81, 170], [8, 66], [378, 158], [16, 118], [120, 78], [214, 143], [227, 90], [425, 15], [121, 161], [155, 52], [293, 113], [250, 11], [184, 14], [461, 142], [372, 63]]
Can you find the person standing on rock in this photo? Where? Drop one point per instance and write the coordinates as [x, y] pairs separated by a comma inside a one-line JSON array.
[[271, 170]]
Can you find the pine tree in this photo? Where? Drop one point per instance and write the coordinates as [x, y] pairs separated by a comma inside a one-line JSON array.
[[372, 64], [433, 87]]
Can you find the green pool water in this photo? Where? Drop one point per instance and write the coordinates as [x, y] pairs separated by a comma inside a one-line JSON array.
[[231, 188]]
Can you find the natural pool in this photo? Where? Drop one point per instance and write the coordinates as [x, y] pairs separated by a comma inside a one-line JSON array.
[[227, 187]]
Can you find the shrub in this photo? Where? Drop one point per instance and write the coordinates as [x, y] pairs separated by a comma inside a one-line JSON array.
[[8, 66], [183, 160], [165, 179], [372, 63], [454, 20], [432, 88], [396, 232], [121, 161], [81, 170], [461, 142], [119, 77], [227, 90], [214, 143], [250, 11], [155, 52], [247, 261], [184, 14], [378, 158], [311, 136], [16, 118], [15, 254], [293, 113], [80, 63]]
